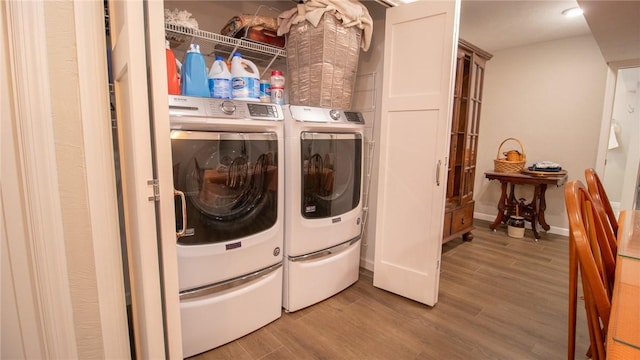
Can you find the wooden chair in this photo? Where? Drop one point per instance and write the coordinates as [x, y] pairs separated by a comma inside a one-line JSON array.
[[602, 203], [589, 251], [610, 225]]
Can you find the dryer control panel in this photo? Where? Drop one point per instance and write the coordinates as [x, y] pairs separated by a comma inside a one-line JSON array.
[[223, 108], [324, 115]]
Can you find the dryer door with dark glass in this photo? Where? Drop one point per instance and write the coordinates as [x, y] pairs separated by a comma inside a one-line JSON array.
[[226, 184], [331, 173]]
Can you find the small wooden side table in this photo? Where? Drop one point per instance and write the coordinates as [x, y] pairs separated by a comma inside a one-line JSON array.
[[532, 211]]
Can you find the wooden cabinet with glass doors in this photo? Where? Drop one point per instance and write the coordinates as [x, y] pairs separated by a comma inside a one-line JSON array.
[[467, 105]]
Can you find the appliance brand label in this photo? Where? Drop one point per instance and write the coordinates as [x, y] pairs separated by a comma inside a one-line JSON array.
[[233, 245], [310, 209], [336, 220]]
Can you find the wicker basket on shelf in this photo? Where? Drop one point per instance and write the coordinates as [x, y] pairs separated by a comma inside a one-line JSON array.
[[322, 63], [509, 164]]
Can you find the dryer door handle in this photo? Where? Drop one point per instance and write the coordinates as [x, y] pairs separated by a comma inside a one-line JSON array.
[[183, 201]]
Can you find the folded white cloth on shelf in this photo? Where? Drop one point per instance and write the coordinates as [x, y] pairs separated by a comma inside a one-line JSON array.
[[350, 12], [180, 18]]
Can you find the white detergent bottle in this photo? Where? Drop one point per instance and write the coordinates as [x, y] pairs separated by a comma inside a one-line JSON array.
[[194, 74], [245, 79], [220, 79]]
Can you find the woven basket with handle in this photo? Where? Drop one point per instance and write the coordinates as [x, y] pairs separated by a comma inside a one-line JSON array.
[[510, 166]]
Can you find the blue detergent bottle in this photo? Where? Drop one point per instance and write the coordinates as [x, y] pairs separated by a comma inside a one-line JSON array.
[[194, 74]]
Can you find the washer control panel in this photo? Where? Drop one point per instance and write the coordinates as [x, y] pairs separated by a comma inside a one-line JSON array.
[[324, 115], [223, 108]]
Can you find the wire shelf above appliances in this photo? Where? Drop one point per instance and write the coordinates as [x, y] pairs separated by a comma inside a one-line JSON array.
[[212, 44]]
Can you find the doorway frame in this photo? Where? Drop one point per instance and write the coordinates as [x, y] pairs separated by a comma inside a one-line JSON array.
[[607, 114]]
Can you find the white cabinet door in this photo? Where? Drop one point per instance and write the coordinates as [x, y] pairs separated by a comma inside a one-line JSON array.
[[420, 45], [149, 223]]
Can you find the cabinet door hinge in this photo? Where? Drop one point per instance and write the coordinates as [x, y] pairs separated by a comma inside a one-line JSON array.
[[156, 190]]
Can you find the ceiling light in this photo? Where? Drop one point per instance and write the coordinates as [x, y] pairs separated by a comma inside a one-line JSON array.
[[573, 12]]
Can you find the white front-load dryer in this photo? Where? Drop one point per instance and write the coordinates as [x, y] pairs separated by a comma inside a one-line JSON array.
[[323, 203]]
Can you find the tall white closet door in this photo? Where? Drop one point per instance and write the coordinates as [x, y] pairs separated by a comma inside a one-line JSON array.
[[420, 44], [154, 290]]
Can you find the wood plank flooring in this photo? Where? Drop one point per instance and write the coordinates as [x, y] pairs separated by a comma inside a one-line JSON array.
[[500, 298]]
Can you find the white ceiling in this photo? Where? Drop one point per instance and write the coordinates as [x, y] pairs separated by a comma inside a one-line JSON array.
[[615, 25], [495, 25]]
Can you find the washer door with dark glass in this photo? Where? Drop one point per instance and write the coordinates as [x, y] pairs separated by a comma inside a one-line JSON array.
[[226, 184], [331, 173]]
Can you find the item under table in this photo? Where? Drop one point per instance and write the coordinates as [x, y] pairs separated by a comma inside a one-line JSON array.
[[532, 211]]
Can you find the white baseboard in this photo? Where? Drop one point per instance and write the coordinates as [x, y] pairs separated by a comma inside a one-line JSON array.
[[491, 217], [367, 264]]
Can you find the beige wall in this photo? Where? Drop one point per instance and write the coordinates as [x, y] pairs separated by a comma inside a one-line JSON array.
[[549, 96]]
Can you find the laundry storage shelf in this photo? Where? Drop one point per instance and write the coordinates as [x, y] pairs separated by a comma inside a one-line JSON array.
[[212, 44]]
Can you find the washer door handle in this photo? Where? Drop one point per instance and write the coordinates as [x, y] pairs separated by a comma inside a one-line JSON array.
[[438, 172], [183, 200]]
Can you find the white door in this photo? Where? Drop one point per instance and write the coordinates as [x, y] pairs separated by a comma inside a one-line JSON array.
[[144, 138], [419, 57]]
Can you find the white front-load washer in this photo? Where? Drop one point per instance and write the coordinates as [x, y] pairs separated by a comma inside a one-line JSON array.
[[323, 203], [228, 177]]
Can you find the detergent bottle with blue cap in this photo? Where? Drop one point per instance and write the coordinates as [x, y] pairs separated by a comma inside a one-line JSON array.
[[194, 74], [220, 79], [245, 79]]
